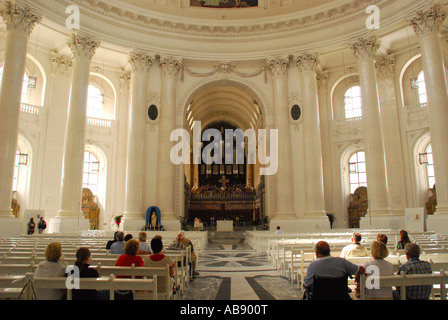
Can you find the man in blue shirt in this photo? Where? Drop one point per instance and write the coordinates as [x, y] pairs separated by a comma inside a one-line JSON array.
[[330, 267], [414, 266], [118, 247]]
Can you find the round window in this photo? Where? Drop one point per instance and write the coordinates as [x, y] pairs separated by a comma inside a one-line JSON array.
[[153, 112], [296, 112]]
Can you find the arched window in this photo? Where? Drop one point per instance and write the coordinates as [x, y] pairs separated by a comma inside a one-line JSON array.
[[357, 168], [91, 172], [422, 97], [430, 166], [26, 80], [353, 103], [95, 101]]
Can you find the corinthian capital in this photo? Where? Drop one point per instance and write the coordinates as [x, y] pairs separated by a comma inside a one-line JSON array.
[[365, 47], [278, 65], [170, 65], [17, 18], [428, 21], [141, 61], [83, 45], [307, 62], [385, 66]]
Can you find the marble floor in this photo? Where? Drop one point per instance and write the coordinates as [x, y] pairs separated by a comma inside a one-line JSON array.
[[231, 270]]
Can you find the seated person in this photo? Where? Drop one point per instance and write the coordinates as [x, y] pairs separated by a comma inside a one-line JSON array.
[[382, 238], [181, 243], [128, 259], [158, 259], [355, 249], [82, 262], [51, 268], [118, 246], [110, 242], [144, 246], [327, 266], [414, 266], [404, 240]]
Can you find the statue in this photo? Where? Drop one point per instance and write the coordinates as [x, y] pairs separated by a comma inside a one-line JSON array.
[[153, 217], [15, 206], [431, 204], [90, 208]]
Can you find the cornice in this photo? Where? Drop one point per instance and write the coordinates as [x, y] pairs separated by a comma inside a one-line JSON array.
[[223, 29]]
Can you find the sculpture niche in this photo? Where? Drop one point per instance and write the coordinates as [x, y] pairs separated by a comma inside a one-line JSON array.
[[153, 219]]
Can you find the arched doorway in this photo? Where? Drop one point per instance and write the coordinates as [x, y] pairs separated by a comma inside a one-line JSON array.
[[231, 191]]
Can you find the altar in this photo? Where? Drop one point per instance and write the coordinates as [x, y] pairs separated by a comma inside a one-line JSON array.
[[224, 225]]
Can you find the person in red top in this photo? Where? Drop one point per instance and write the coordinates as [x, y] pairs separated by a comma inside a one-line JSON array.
[[127, 260]]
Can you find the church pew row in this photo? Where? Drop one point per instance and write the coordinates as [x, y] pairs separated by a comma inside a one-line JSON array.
[[437, 280], [110, 283]]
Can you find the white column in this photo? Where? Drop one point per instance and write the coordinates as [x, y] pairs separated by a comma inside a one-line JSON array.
[[377, 189], [20, 22], [283, 179], [83, 49], [392, 135], [314, 183], [136, 164], [166, 176], [426, 25]]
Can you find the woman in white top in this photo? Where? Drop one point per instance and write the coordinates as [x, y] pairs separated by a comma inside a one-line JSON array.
[[380, 267], [51, 268]]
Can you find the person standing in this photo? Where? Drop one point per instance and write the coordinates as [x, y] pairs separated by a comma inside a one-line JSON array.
[[42, 225], [31, 226]]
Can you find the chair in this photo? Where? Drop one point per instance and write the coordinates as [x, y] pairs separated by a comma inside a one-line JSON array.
[[325, 288]]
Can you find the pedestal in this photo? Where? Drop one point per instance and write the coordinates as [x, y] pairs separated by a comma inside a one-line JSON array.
[[11, 227], [382, 222], [224, 225], [68, 225]]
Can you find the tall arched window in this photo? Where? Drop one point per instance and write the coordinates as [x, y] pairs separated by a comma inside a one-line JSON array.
[[91, 172], [95, 101], [430, 166], [422, 97], [357, 168], [353, 103]]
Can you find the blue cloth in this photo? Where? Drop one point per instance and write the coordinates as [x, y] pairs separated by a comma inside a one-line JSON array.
[[331, 267], [117, 247], [416, 266]]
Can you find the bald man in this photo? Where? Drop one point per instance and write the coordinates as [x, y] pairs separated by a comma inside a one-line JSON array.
[[327, 266]]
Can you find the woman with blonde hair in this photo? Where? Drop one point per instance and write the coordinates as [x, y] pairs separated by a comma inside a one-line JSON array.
[[379, 267], [51, 268]]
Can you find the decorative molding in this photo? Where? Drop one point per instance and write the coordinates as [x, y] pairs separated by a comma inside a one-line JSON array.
[[141, 61], [170, 65], [225, 68], [428, 21], [307, 62], [273, 26], [83, 45], [278, 65], [322, 79], [365, 47], [125, 79], [18, 18]]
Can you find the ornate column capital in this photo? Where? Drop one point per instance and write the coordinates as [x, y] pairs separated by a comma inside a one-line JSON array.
[[170, 65], [278, 65], [385, 66], [428, 21], [83, 45], [18, 18], [60, 63], [365, 47], [140, 60], [322, 79], [125, 79], [307, 62]]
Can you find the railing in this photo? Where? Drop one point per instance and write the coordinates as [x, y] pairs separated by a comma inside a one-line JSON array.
[[97, 122], [349, 121], [29, 108]]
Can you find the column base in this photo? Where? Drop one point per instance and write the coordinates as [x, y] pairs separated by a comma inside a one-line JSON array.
[[12, 227], [437, 223], [68, 225], [305, 225]]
